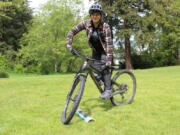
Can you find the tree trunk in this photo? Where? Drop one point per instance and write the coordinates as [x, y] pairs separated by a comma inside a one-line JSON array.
[[128, 53], [179, 56], [55, 67], [69, 66]]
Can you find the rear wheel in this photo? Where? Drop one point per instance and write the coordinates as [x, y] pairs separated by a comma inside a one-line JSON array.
[[73, 99], [124, 88]]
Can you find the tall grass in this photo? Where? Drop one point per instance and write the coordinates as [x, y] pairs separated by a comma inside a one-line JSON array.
[[32, 105]]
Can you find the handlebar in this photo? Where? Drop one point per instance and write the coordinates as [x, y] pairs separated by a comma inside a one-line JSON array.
[[86, 57], [91, 59]]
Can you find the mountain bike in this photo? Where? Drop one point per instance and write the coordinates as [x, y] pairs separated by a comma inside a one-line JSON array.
[[123, 84]]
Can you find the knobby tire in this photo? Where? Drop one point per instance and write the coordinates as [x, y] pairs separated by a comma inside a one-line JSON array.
[[66, 117]]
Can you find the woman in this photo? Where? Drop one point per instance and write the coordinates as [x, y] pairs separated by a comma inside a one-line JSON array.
[[100, 40]]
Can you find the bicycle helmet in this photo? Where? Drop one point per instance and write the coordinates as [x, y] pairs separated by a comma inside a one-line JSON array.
[[95, 8]]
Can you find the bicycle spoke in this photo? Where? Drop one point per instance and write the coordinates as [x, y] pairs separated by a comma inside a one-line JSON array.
[[124, 87]]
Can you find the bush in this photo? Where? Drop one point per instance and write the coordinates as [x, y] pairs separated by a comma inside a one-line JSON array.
[[4, 75], [164, 59], [142, 61], [18, 68], [3, 63]]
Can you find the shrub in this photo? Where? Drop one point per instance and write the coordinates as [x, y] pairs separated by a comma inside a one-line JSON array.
[[142, 61], [4, 75], [3, 63]]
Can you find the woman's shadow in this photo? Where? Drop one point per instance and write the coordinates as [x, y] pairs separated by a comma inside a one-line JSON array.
[[88, 105]]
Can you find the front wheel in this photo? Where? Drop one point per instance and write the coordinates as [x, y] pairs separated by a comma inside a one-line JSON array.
[[124, 87], [73, 99]]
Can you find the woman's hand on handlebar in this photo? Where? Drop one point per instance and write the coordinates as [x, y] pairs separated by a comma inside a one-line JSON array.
[[103, 67]]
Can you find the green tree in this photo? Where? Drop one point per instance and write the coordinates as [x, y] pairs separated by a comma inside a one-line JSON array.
[[170, 35], [163, 45], [142, 20], [4, 5], [44, 48], [126, 17], [13, 24]]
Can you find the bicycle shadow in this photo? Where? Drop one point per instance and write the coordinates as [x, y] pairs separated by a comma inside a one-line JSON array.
[[88, 105]]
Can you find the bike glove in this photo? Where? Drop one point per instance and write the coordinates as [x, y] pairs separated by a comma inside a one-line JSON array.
[[108, 64]]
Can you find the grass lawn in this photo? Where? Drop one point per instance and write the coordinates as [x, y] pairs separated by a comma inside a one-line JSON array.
[[32, 105]]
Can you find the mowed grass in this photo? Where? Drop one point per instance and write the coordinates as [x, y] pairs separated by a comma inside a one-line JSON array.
[[32, 105]]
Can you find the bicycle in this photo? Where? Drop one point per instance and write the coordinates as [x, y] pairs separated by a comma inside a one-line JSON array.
[[123, 93]]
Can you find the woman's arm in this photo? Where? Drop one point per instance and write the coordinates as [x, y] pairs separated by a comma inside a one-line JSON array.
[[109, 43], [72, 33]]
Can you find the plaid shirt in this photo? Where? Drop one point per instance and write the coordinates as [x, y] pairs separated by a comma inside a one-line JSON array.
[[104, 33]]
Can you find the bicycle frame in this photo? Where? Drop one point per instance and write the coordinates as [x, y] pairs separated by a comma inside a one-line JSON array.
[[88, 68]]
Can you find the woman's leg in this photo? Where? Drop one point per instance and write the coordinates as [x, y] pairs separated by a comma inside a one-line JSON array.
[[107, 80]]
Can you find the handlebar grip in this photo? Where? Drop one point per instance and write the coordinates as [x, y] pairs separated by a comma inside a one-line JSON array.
[[115, 67]]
